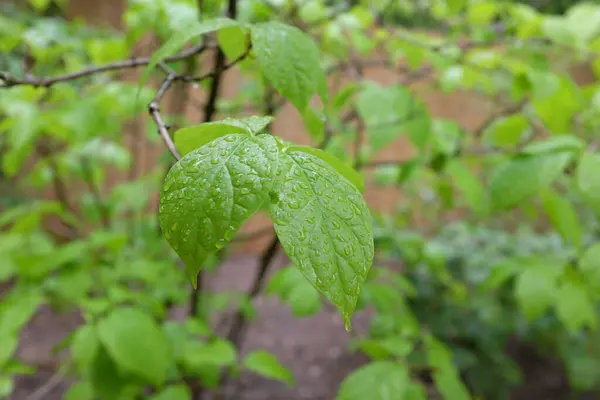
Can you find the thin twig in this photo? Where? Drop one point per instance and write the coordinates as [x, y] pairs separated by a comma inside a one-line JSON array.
[[55, 380], [154, 110], [7, 80]]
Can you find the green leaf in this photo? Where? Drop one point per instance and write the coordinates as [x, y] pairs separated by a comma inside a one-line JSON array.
[[105, 376], [233, 40], [136, 343], [17, 309], [290, 60], [192, 137], [445, 374], [7, 385], [556, 144], [218, 353], [589, 264], [211, 191], [180, 37], [345, 170], [84, 346], [8, 347], [507, 131], [574, 307], [175, 392], [520, 178], [535, 288], [80, 391], [291, 286], [563, 216], [266, 364], [456, 5], [325, 228], [469, 185], [391, 111], [587, 179], [380, 380]]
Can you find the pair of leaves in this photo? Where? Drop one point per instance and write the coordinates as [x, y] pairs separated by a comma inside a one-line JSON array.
[[314, 200], [287, 57]]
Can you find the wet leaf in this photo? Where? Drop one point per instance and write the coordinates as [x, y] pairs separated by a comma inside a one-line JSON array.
[[211, 191], [325, 228]]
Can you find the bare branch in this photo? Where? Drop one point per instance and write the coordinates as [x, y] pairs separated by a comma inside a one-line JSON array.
[[7, 80]]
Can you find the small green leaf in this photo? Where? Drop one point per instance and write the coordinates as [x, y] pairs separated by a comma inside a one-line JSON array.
[[290, 60], [325, 228], [175, 392], [587, 179], [218, 353], [445, 375], [105, 376], [180, 37], [507, 131], [136, 343], [7, 385], [379, 380], [563, 216], [574, 307], [469, 185], [233, 40], [391, 111], [84, 346], [345, 170], [589, 264], [556, 144], [456, 5], [80, 391], [211, 191], [292, 287], [192, 137], [8, 347], [520, 178], [536, 287], [266, 364]]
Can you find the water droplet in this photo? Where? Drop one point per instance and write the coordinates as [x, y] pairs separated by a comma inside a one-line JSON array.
[[230, 138], [340, 238], [294, 188], [335, 224], [244, 190], [214, 161], [215, 191], [220, 244], [294, 205]]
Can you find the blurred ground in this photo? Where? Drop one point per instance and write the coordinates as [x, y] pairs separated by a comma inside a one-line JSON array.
[[314, 348]]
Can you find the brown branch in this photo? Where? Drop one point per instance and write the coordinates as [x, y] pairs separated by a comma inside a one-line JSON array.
[[7, 80]]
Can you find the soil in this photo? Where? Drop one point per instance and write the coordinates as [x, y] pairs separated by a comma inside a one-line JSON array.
[[314, 348]]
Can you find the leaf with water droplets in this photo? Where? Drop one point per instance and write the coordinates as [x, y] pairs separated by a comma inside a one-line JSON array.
[[212, 190], [344, 169], [324, 226], [192, 137], [290, 60]]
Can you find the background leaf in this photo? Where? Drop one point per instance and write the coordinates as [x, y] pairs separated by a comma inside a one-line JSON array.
[[266, 364], [379, 380], [291, 62], [136, 343]]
